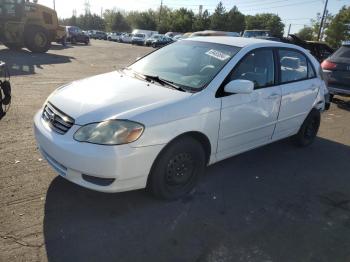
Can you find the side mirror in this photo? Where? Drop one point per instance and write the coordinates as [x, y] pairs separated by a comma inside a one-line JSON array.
[[239, 86]]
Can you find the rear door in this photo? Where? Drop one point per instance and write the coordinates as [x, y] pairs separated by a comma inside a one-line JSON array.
[[299, 85]]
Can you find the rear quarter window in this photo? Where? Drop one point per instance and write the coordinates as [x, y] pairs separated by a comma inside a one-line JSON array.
[[342, 52]]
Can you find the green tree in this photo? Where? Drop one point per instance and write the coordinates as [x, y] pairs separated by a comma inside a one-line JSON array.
[[164, 19], [306, 33], [315, 24], [339, 27], [120, 24], [142, 20], [182, 20], [202, 22], [115, 21], [218, 18], [266, 21], [235, 20]]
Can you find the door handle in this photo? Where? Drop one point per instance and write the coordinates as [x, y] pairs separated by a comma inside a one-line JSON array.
[[273, 96]]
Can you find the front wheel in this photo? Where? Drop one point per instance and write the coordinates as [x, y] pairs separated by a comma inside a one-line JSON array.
[[176, 170], [37, 39], [308, 130]]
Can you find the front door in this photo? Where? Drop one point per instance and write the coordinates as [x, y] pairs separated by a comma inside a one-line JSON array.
[[248, 120]]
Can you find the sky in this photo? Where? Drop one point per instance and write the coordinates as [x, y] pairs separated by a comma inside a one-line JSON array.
[[295, 12]]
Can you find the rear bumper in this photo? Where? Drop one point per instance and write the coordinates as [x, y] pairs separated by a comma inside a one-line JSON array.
[[338, 90]]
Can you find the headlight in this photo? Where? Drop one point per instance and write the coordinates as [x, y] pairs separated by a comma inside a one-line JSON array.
[[111, 132]]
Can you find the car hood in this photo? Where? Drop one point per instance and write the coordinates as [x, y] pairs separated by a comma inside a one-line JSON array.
[[111, 96]]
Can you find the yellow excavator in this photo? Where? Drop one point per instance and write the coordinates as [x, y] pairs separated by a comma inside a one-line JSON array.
[[28, 24]]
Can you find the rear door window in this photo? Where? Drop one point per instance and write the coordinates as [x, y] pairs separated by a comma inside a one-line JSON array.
[[293, 66]]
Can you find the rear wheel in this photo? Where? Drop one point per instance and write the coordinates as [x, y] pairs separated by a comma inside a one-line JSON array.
[[176, 170], [37, 39], [308, 130]]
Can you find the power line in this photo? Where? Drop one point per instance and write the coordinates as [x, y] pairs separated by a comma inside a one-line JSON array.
[[272, 7]]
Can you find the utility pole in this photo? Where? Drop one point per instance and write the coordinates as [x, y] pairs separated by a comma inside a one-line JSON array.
[[160, 10], [322, 19], [54, 5], [289, 29]]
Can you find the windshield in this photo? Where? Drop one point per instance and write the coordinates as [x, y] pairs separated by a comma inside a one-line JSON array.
[[156, 36], [139, 35], [11, 8], [189, 64]]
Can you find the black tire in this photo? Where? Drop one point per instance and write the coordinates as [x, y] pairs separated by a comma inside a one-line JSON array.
[[37, 39], [308, 130], [87, 42], [12, 46], [73, 40], [177, 168], [331, 96], [154, 45]]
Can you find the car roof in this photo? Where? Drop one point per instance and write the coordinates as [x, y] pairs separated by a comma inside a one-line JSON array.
[[236, 41]]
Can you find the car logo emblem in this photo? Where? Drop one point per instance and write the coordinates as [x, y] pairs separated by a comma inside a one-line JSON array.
[[51, 118]]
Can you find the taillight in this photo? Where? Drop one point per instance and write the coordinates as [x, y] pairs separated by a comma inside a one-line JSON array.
[[328, 65]]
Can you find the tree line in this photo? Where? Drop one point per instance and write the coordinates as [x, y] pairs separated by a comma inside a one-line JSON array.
[[183, 20], [165, 19]]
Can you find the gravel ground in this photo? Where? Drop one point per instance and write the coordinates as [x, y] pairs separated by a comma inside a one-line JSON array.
[[276, 203]]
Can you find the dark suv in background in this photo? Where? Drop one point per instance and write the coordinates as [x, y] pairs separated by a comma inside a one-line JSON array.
[[336, 69], [76, 35], [100, 35]]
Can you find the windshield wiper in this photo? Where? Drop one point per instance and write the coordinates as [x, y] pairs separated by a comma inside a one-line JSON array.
[[163, 81], [157, 79]]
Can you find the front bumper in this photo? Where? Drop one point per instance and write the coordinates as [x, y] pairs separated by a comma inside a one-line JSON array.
[[126, 166], [138, 42]]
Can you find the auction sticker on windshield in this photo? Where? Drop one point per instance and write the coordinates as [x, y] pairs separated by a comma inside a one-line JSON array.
[[217, 54]]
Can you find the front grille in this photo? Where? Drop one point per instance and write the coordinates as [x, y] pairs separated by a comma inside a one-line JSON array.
[[57, 120]]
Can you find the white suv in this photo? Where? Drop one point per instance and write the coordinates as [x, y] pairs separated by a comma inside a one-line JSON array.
[[159, 122]]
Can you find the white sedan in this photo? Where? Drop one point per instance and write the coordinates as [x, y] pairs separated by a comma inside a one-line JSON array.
[[159, 122]]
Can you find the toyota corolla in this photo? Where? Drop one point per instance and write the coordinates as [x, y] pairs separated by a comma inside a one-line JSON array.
[[160, 121]]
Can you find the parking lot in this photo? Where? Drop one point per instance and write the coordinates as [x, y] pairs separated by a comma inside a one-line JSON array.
[[276, 203]]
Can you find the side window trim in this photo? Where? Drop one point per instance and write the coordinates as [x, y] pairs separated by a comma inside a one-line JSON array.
[[307, 66], [220, 91]]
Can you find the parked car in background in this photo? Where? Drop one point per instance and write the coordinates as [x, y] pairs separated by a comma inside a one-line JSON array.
[[336, 69], [320, 50], [100, 35], [256, 33], [214, 33], [125, 38], [114, 36], [178, 37], [148, 41], [138, 39], [172, 34], [161, 41], [159, 122], [76, 35], [147, 33]]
